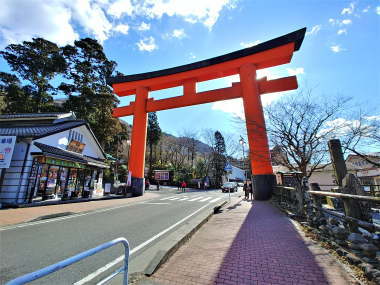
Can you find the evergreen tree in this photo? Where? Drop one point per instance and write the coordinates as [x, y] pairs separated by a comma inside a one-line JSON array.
[[153, 136], [89, 96], [219, 157], [15, 98], [37, 62]]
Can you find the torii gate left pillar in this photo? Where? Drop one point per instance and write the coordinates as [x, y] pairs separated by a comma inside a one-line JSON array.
[[243, 62]]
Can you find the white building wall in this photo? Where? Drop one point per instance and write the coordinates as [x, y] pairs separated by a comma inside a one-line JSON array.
[[14, 187], [61, 140], [236, 173], [15, 183]]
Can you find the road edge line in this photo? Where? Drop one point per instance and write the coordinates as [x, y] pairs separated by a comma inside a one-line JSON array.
[[163, 255]]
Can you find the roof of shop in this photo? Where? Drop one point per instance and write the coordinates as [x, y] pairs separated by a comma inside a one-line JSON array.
[[68, 155], [53, 115], [37, 131]]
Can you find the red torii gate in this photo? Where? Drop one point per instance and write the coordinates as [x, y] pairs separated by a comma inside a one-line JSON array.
[[244, 62]]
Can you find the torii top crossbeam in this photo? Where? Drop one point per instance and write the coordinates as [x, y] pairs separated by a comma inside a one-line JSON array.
[[244, 62]]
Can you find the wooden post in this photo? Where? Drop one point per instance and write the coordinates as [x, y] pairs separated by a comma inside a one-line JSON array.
[[337, 160], [317, 201]]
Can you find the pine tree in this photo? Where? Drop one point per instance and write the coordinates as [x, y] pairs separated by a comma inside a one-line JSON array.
[[89, 96], [15, 98], [219, 157], [37, 62], [153, 137]]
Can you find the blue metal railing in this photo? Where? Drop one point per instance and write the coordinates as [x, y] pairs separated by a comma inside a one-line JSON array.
[[64, 263]]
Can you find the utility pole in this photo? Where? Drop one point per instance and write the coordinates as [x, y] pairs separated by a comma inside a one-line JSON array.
[[242, 142]]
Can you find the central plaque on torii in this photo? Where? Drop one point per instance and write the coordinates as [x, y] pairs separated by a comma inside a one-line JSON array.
[[244, 62]]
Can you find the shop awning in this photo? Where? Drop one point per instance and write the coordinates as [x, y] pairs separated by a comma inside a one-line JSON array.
[[51, 151]]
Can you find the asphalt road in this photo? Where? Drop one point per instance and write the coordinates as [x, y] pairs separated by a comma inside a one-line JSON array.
[[29, 248]]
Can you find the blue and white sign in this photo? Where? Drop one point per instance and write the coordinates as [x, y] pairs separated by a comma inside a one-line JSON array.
[[7, 146], [228, 167]]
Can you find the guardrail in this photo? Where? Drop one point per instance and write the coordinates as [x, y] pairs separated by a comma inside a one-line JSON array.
[[64, 263], [352, 208], [343, 195]]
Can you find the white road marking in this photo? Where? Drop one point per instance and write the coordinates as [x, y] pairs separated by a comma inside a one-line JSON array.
[[135, 249], [217, 199], [172, 199], [153, 203], [205, 199], [183, 199], [195, 199], [167, 198]]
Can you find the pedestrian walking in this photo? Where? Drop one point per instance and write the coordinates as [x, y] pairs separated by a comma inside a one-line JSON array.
[[158, 185], [246, 191], [147, 184], [183, 186], [251, 190]]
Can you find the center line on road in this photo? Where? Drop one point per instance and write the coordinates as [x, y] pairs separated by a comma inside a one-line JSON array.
[[135, 249]]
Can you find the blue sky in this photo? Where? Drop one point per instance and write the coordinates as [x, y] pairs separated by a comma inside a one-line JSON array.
[[339, 56]]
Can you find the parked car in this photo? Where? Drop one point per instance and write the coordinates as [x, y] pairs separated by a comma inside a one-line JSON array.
[[229, 187]]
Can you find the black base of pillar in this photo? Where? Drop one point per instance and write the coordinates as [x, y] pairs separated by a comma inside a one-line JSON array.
[[263, 186], [138, 186]]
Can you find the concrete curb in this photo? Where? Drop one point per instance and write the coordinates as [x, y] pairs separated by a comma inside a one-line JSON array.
[[183, 235]]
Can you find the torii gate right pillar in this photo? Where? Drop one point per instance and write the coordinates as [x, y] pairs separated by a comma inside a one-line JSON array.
[[263, 178]]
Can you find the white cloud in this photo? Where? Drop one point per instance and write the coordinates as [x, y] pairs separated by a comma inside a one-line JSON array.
[[233, 106], [196, 11], [120, 7], [192, 56], [61, 20], [295, 71], [348, 10], [378, 10], [342, 31], [144, 27], [336, 48], [147, 44], [249, 44], [122, 28], [373, 118], [366, 9], [53, 22], [339, 127], [56, 20], [339, 22], [176, 33], [314, 30], [92, 18]]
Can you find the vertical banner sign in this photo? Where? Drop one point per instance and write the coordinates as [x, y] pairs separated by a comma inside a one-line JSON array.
[[7, 146]]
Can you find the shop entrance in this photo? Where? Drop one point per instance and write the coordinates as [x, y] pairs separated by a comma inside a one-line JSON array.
[[244, 62], [53, 179]]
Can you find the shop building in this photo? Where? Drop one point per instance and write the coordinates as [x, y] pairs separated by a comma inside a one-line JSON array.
[[48, 156]]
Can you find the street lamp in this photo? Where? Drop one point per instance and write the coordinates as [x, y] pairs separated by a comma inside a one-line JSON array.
[[242, 142]]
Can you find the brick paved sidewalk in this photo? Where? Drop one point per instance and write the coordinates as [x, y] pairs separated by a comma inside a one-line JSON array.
[[21, 215], [250, 245]]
